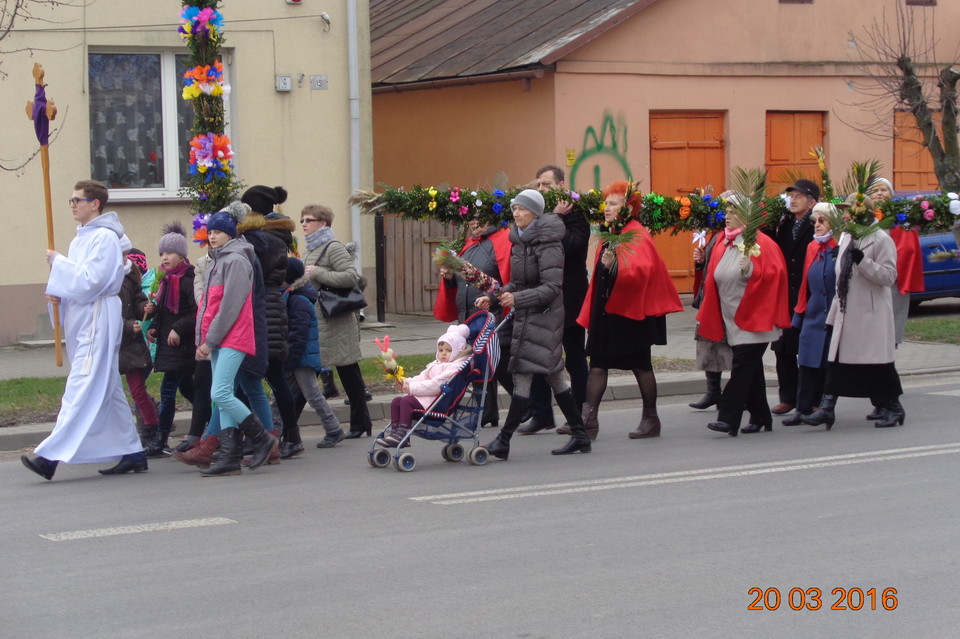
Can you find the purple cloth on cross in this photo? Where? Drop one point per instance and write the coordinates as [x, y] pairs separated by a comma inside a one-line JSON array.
[[40, 122]]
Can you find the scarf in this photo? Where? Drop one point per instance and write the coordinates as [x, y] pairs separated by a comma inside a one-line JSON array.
[[823, 239], [169, 290], [846, 272], [319, 237], [732, 234]]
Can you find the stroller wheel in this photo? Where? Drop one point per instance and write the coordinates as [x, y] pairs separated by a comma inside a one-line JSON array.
[[453, 452], [404, 462], [478, 456], [379, 458]]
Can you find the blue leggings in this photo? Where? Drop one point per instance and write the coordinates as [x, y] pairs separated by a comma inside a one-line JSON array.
[[226, 362]]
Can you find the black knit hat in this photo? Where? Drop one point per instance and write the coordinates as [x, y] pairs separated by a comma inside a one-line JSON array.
[[295, 270], [262, 199]]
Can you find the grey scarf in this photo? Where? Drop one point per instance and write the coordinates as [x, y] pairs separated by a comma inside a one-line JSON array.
[[319, 237]]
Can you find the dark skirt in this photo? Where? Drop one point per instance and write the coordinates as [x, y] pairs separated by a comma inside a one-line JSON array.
[[615, 341], [863, 380]]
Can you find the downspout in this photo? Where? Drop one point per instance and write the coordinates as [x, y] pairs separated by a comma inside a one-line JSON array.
[[353, 72]]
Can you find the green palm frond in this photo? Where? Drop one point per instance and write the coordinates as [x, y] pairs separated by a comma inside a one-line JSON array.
[[750, 185], [861, 178]]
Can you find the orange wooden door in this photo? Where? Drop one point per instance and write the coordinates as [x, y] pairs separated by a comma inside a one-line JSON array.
[[791, 137], [686, 153], [912, 164]]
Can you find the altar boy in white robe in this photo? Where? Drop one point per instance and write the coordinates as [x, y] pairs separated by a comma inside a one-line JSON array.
[[95, 423]]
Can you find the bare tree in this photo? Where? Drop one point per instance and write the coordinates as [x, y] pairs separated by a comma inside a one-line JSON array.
[[900, 72]]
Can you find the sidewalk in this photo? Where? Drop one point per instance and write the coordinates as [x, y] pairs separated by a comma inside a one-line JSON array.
[[417, 334]]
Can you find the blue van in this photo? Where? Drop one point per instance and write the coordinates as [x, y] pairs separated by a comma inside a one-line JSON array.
[[940, 278]]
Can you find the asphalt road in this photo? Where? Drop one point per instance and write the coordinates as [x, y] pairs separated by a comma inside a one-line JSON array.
[[657, 538]]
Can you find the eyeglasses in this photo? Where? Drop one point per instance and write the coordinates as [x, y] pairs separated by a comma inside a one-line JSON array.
[[307, 220], [75, 200]]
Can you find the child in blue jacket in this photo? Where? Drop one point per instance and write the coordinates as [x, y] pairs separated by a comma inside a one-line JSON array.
[[303, 360]]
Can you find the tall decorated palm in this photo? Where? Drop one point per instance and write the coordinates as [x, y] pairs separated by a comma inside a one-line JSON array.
[[211, 184]]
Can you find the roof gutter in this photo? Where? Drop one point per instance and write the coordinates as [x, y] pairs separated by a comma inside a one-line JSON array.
[[510, 76]]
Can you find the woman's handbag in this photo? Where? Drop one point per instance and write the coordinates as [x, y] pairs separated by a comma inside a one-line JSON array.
[[340, 301], [334, 302]]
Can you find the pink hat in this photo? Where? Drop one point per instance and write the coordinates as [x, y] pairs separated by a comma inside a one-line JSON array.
[[456, 337]]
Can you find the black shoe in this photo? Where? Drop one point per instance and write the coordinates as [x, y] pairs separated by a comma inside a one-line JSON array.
[[756, 428], [367, 397], [262, 441], [878, 413], [578, 443], [157, 446], [41, 466], [533, 426], [290, 449], [825, 414], [133, 463], [499, 448], [893, 414], [794, 420], [354, 434], [723, 427]]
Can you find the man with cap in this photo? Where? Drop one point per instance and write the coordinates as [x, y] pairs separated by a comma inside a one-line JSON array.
[[94, 423], [793, 234]]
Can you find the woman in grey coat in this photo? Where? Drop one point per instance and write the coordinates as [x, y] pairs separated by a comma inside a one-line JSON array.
[[861, 355], [328, 263], [534, 292]]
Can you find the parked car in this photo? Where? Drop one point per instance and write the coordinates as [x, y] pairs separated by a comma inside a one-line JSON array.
[[941, 278]]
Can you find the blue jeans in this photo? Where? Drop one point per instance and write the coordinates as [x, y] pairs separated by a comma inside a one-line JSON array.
[[250, 384], [226, 362]]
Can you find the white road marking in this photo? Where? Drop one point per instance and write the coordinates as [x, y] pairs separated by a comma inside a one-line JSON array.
[[141, 528], [949, 393], [655, 479]]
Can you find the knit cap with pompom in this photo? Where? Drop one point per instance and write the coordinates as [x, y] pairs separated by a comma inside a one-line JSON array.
[[456, 336], [174, 239]]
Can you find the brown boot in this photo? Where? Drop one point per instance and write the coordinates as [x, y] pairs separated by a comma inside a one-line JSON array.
[[200, 455], [649, 426], [590, 421]]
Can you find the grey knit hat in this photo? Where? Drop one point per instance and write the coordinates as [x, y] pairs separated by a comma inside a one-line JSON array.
[[174, 240], [530, 200]]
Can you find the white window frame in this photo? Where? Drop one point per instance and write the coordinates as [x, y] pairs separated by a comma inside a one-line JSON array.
[[170, 95]]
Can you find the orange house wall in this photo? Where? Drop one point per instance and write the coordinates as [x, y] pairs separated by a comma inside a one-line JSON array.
[[465, 136]]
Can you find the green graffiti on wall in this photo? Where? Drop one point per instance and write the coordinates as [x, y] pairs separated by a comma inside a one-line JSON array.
[[602, 158]]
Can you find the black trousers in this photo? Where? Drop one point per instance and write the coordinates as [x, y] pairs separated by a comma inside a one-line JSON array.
[[787, 371], [810, 388], [746, 389], [352, 381], [575, 354], [202, 406]]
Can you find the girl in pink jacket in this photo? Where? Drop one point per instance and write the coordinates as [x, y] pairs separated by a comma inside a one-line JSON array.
[[422, 390]]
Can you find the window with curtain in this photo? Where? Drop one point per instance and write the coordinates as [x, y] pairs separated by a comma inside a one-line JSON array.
[[139, 125]]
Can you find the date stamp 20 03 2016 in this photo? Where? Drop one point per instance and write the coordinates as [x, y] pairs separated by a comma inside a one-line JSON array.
[[813, 599]]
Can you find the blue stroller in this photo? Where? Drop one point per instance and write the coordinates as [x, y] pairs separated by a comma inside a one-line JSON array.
[[456, 412]]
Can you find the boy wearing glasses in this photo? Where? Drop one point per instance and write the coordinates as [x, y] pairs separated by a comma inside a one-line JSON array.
[[94, 423]]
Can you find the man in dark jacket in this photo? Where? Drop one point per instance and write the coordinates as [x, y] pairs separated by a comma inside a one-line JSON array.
[[575, 244], [793, 235]]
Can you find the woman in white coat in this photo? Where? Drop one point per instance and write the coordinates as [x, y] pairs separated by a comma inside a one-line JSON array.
[[862, 353]]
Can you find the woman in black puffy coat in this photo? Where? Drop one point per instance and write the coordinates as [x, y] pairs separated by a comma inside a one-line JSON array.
[[534, 292]]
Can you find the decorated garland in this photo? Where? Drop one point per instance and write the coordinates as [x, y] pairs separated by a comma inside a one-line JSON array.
[[693, 212], [211, 185]]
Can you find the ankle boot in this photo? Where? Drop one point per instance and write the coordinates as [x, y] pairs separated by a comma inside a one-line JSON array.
[[329, 387], [40, 465], [591, 422], [231, 452], [500, 447], [132, 463], [263, 442], [712, 395], [878, 410], [894, 414], [649, 425], [823, 415], [200, 455], [156, 446]]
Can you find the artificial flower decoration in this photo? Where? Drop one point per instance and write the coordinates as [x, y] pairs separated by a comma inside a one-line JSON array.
[[206, 23], [200, 229], [205, 80], [388, 360], [455, 195], [210, 154]]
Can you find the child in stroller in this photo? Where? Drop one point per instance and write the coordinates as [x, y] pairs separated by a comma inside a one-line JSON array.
[[421, 391]]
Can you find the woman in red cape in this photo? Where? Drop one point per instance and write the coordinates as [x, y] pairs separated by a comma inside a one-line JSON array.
[[625, 310], [745, 300]]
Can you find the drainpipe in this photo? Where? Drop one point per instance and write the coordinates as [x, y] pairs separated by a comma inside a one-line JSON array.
[[353, 72]]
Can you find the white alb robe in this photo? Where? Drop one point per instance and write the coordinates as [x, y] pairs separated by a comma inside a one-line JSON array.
[[95, 423]]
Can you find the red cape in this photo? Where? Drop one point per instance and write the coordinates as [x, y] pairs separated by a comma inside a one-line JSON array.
[[643, 287], [445, 306], [812, 249], [909, 260], [765, 302]]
